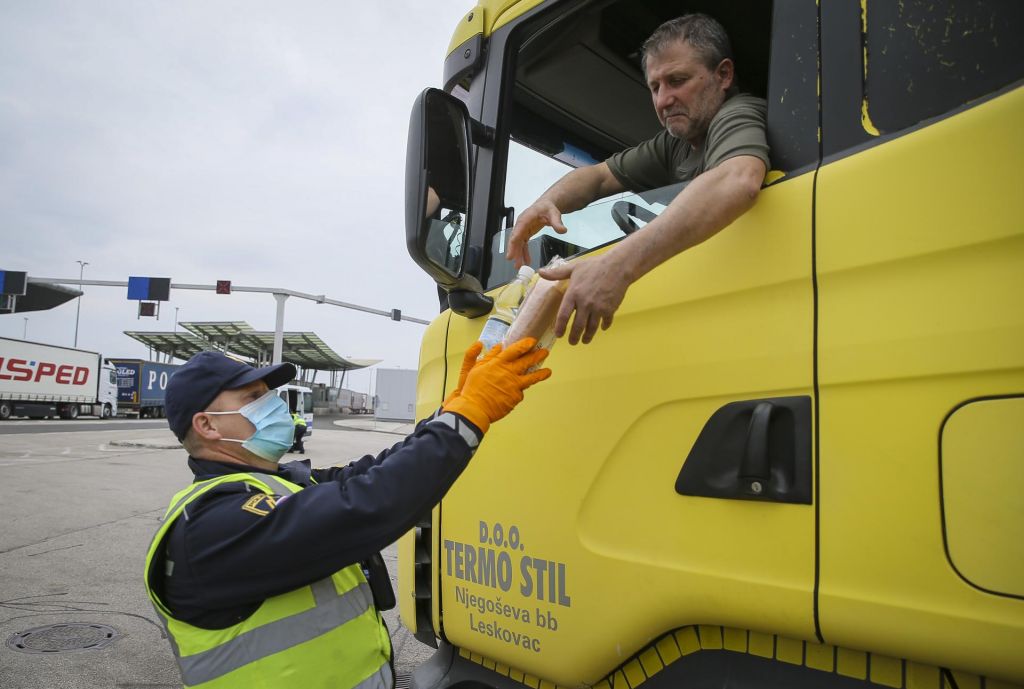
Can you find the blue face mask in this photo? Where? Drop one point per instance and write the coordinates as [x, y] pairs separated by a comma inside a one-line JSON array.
[[275, 430]]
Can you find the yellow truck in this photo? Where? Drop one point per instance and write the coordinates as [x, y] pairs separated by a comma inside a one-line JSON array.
[[853, 345]]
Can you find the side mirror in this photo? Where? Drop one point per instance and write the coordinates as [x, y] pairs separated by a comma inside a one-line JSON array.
[[437, 186]]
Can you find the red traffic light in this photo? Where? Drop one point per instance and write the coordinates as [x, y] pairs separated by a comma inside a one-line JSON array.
[[223, 286]]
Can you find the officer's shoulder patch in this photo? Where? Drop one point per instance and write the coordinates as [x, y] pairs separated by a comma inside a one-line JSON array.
[[260, 504]]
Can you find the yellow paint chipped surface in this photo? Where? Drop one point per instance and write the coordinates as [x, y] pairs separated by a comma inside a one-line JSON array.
[[865, 119]]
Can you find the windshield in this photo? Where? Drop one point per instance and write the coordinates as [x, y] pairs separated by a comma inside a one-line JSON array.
[[528, 175]]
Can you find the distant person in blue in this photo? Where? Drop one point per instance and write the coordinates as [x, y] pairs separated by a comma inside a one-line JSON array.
[[269, 574]]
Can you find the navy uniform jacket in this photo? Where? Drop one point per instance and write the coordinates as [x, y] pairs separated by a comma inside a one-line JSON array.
[[235, 547]]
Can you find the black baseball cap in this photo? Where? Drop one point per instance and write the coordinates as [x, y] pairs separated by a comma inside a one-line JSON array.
[[200, 379]]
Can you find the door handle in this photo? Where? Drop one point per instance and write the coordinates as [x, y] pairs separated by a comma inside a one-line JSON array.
[[752, 450], [755, 473]]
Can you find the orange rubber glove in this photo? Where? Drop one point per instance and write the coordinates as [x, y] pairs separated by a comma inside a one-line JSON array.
[[495, 385], [468, 362]]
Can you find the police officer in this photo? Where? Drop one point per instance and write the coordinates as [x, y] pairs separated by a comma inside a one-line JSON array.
[[300, 430], [259, 569]]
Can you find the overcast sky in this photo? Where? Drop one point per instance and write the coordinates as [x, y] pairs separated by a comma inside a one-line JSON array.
[[261, 142]]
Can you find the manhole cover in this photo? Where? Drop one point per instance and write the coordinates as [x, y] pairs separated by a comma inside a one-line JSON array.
[[71, 637]]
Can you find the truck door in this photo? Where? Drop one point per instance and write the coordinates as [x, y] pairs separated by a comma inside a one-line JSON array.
[[575, 538], [307, 410], [920, 258], [109, 391]]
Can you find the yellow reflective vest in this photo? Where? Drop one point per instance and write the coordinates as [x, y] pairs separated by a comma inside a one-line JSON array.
[[326, 634]]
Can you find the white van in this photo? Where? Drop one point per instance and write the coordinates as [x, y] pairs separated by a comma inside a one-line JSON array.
[[300, 399]]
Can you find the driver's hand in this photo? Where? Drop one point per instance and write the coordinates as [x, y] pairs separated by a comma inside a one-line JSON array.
[[535, 218], [595, 293]]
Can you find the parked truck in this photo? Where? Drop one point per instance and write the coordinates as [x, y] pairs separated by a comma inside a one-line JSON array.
[[354, 402], [141, 386], [795, 458], [41, 381], [362, 402]]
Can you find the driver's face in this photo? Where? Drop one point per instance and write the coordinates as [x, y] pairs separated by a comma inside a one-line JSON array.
[[686, 94]]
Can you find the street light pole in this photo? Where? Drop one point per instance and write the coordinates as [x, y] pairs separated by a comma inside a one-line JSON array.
[[78, 311], [176, 308]]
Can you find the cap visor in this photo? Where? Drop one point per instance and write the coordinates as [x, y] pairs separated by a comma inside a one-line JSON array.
[[274, 376]]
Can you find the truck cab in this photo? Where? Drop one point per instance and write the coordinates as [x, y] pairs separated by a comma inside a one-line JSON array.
[[793, 459]]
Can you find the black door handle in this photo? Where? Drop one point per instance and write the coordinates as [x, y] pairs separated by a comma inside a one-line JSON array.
[[755, 472], [753, 450]]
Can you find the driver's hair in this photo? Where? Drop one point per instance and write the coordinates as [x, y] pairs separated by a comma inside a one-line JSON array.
[[700, 31]]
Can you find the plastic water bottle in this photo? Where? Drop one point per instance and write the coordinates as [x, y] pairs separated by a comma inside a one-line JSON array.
[[536, 315], [505, 308]]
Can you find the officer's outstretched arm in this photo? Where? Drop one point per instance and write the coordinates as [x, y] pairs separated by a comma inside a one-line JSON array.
[[494, 386]]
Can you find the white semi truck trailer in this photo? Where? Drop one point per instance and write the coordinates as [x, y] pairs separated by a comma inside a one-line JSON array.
[[42, 381]]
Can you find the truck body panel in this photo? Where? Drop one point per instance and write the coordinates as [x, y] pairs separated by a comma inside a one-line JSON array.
[[142, 385]]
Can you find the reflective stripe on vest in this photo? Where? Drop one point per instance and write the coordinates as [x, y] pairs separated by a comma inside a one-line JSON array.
[[275, 644]]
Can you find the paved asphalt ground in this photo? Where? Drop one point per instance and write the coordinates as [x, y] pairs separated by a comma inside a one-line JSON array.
[[80, 502]]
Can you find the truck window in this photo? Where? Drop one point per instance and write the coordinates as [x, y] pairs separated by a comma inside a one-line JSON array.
[[307, 402], [922, 63], [528, 174], [578, 96]]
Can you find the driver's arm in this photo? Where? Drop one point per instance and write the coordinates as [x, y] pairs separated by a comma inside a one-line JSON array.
[[582, 186], [709, 203], [712, 201]]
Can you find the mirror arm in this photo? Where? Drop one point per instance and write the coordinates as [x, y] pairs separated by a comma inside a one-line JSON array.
[[469, 303], [481, 133]]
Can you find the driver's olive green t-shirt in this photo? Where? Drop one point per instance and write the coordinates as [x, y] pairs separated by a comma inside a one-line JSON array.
[[738, 128]]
